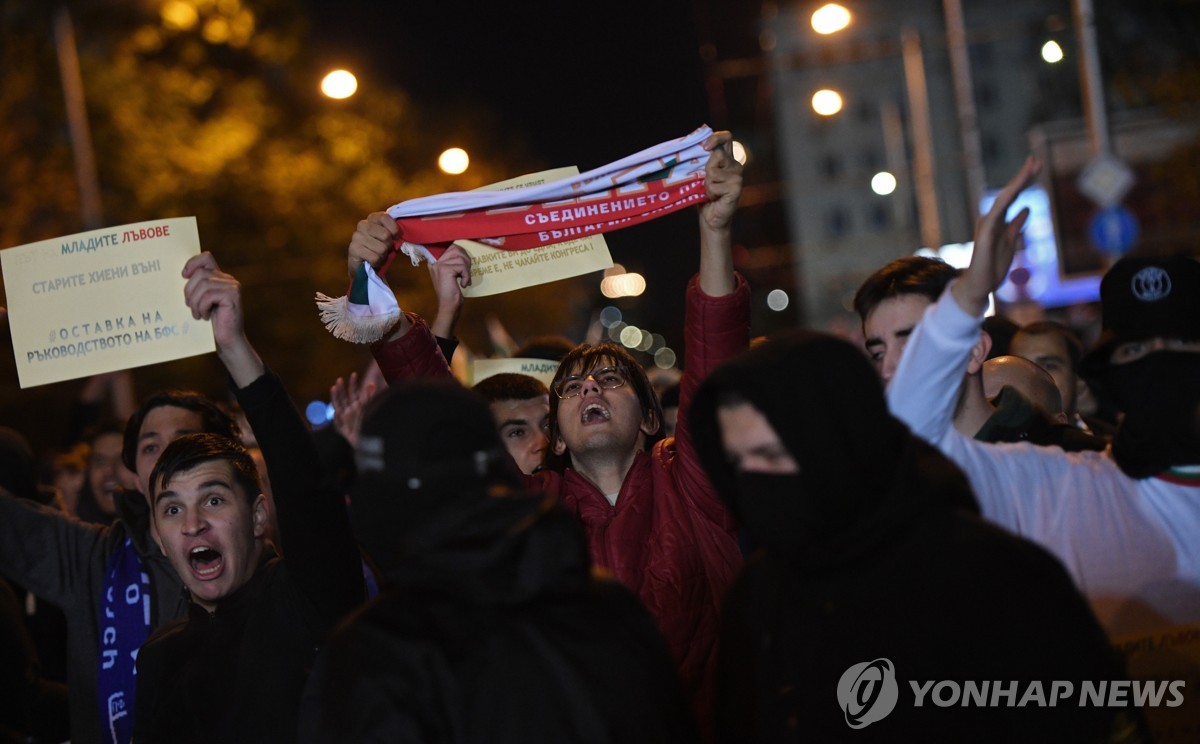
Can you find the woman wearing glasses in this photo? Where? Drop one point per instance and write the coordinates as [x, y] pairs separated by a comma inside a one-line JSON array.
[[650, 515]]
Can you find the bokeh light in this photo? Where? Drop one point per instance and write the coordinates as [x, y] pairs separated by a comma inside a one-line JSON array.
[[1052, 52], [339, 84], [827, 102], [830, 19], [883, 183], [454, 161]]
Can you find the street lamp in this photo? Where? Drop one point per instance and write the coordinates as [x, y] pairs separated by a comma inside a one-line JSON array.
[[830, 19], [883, 183], [339, 84], [454, 161], [1052, 52], [827, 102]]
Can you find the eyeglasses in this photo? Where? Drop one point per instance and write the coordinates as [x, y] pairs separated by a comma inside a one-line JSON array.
[[608, 378]]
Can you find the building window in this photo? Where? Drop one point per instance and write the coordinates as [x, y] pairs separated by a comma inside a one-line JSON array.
[[986, 96], [879, 217], [990, 147], [837, 222], [982, 56], [830, 166], [865, 111], [871, 160]]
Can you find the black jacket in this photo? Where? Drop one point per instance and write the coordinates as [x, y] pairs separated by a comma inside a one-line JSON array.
[[236, 675], [495, 632], [909, 574]]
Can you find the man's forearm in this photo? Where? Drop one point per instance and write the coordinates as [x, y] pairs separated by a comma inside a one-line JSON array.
[[716, 261]]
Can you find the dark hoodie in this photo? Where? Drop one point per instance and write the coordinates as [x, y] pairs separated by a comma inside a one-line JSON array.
[[873, 551], [490, 626]]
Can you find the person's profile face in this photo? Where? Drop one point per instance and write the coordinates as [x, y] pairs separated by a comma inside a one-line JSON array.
[[209, 529], [523, 426], [887, 328], [751, 444]]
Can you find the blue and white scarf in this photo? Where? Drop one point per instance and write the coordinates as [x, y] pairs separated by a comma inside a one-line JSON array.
[[124, 626]]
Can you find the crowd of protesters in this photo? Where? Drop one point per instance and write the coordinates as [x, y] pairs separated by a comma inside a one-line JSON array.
[[803, 541]]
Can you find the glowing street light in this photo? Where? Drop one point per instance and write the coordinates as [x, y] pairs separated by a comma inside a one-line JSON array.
[[339, 84], [1052, 52], [883, 183], [827, 102], [454, 161], [830, 19]]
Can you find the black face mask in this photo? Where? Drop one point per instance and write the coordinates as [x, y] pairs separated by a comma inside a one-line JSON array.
[[788, 519], [1160, 396]]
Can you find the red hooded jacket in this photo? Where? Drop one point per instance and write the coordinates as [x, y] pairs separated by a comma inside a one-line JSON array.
[[669, 537]]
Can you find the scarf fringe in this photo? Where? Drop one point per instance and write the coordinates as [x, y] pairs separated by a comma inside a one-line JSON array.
[[416, 252], [357, 329]]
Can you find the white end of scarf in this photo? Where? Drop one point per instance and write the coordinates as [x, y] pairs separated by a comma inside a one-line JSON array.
[[357, 323], [416, 252]]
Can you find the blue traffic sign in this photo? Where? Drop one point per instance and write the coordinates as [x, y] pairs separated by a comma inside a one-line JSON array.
[[1113, 230]]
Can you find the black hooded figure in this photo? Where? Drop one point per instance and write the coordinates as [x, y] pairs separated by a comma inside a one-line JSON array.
[[879, 607], [489, 626]]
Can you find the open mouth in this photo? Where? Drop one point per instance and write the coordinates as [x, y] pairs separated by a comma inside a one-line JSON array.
[[594, 413], [205, 562]]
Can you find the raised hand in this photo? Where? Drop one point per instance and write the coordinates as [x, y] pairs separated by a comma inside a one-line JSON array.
[[449, 274], [349, 399], [722, 181], [213, 295], [996, 242], [372, 241]]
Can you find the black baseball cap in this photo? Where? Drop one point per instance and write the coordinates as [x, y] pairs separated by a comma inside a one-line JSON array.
[[1143, 298]]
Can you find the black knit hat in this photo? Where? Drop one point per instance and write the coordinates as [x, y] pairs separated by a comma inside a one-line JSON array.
[[1143, 298], [427, 455]]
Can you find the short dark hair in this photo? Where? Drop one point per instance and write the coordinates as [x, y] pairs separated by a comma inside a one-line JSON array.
[[212, 419], [510, 386], [192, 450], [1070, 340], [587, 357], [907, 275]]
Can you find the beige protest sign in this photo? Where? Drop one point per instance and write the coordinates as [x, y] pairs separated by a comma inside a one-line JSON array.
[[542, 369], [1170, 658], [494, 271], [103, 300]]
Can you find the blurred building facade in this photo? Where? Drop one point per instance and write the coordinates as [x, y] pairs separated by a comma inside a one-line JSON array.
[[879, 64]]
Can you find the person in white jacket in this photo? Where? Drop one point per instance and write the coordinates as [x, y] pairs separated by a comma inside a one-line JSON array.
[[1125, 521]]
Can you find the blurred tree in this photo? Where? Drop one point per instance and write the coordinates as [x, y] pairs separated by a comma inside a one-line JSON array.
[[210, 108]]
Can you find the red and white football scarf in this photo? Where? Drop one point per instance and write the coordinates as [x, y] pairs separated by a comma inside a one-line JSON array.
[[635, 189]]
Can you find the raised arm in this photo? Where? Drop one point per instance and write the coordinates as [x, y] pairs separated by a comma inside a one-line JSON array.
[[410, 349], [924, 390], [996, 241], [717, 323], [215, 296], [723, 182], [450, 274], [46, 551], [314, 527]]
